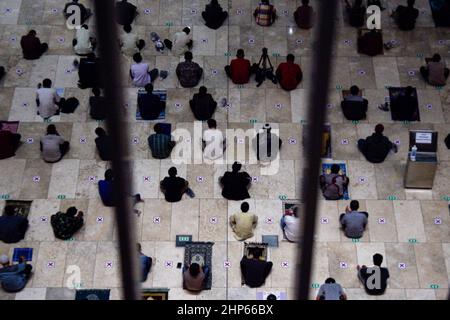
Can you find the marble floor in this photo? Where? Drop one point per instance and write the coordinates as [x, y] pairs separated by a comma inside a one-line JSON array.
[[410, 228]]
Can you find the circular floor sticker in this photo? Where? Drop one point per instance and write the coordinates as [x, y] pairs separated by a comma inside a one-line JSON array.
[[330, 106], [429, 106], [344, 141], [239, 12], [347, 41], [213, 220], [25, 104], [214, 72], [299, 41], [177, 105], [157, 220], [382, 221], [30, 140], [194, 11], [292, 141], [255, 179], [200, 179], [343, 265], [83, 140], [397, 142], [324, 220], [135, 140], [36, 178], [54, 10], [205, 40], [61, 39], [402, 265], [8, 10], [19, 71], [13, 39], [362, 179], [147, 179], [411, 72], [361, 72], [438, 221], [147, 11], [278, 106], [251, 41]]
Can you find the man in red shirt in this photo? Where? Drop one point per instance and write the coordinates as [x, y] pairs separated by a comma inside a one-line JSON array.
[[32, 47], [239, 70], [289, 74], [9, 142]]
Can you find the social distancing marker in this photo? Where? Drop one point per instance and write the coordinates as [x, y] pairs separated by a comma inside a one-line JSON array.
[[269, 220], [200, 179], [402, 265], [343, 265], [381, 220], [227, 264], [214, 72], [147, 179], [156, 220], [239, 12], [108, 264], [251, 41], [25, 104], [136, 140], [362, 180], [429, 106], [44, 219], [324, 220], [285, 264], [344, 142], [147, 10], [83, 140], [213, 220], [100, 219], [255, 179], [168, 264], [292, 141], [30, 140], [36, 178], [438, 221], [299, 41], [51, 264]]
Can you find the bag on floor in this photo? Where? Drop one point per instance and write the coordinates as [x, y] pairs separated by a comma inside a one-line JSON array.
[[70, 105]]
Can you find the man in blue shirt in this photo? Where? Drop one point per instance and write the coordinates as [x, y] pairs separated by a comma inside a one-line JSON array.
[[12, 227], [107, 190], [145, 263], [14, 278]]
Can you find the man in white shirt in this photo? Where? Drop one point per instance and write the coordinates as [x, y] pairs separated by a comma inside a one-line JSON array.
[[140, 73], [47, 100], [291, 226], [53, 146], [84, 42], [181, 42], [213, 143], [129, 42]]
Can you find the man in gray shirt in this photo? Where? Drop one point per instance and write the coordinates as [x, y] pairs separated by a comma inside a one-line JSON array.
[[53, 146], [353, 221], [331, 290]]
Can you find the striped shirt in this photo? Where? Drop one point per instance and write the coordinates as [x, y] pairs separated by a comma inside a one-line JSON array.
[[160, 145], [264, 14]]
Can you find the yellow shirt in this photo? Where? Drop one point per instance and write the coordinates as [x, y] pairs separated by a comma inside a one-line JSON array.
[[243, 225]]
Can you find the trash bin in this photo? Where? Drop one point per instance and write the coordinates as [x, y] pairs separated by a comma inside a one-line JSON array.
[[420, 174]]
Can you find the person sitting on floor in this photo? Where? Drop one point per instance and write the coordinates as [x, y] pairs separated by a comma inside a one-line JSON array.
[[235, 184], [181, 42], [239, 70], [353, 221], [331, 290], [356, 13], [125, 12], [406, 106], [140, 72], [265, 144], [89, 72], [145, 262], [160, 144], [289, 74], [107, 191], [213, 143], [53, 146], [366, 274], [254, 270], [97, 104], [214, 15], [14, 278], [173, 187], [194, 277], [435, 72], [9, 143], [244, 223], [440, 10], [290, 224], [376, 147], [333, 184], [354, 107], [203, 105], [85, 13], [304, 15], [12, 226], [47, 100], [104, 144], [370, 43], [84, 41], [265, 14], [130, 43], [189, 73], [406, 17], [32, 48], [150, 105], [65, 225]]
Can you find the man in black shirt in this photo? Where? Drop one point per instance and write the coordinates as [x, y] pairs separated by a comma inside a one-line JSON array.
[[255, 270], [203, 105], [125, 12], [356, 13], [406, 17], [12, 226], [235, 184], [374, 278], [150, 105], [354, 107], [98, 105], [173, 187], [377, 146], [104, 144], [405, 106]]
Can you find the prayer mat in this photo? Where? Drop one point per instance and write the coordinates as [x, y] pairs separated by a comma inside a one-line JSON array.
[[201, 253], [27, 253], [162, 94], [11, 126], [394, 94], [155, 294], [326, 169], [325, 152], [22, 207], [94, 294]]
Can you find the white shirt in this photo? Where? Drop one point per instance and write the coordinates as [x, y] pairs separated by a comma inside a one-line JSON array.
[[214, 144], [84, 45], [292, 228], [47, 98], [128, 43], [141, 77], [50, 147], [180, 41]]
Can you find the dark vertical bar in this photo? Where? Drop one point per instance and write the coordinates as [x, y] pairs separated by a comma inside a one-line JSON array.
[[118, 129], [321, 72]]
